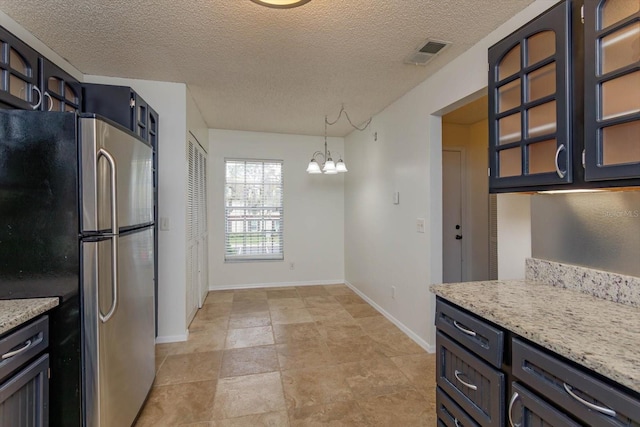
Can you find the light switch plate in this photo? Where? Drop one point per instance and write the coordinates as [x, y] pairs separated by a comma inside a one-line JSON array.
[[165, 224], [420, 225]]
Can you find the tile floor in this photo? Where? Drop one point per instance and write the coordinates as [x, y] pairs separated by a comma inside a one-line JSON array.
[[303, 356]]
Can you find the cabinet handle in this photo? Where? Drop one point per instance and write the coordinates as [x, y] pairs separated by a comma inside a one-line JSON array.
[[606, 411], [560, 149], [37, 105], [456, 422], [457, 373], [49, 101], [24, 348], [463, 329], [509, 411]]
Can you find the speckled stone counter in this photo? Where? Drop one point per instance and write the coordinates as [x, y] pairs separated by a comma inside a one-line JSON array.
[[18, 311], [601, 335]]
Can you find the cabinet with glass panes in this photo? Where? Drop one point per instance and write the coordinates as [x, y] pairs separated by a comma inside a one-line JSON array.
[[564, 99]]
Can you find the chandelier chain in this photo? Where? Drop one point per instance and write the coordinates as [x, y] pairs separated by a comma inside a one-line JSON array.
[[342, 110]]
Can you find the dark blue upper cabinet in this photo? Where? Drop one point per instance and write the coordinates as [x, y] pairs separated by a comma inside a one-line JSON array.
[[530, 94], [60, 91], [612, 89], [18, 74]]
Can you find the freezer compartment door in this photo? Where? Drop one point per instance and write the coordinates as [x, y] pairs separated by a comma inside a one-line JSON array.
[[119, 343], [111, 156]]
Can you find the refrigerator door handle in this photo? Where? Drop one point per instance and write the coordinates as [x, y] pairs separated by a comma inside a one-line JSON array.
[[104, 318]]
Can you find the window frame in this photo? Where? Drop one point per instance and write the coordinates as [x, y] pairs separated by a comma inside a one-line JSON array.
[[260, 257]]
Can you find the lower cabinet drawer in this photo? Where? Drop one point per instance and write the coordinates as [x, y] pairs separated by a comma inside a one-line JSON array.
[[528, 410], [24, 397], [450, 414], [576, 391], [470, 382]]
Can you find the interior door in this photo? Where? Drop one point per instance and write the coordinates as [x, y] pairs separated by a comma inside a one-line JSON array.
[[452, 233]]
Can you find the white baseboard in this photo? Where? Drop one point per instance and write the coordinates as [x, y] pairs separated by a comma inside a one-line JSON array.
[[172, 338], [415, 337], [275, 285]]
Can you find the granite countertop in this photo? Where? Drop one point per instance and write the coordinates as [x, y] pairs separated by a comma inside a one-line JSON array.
[[601, 335], [15, 312]]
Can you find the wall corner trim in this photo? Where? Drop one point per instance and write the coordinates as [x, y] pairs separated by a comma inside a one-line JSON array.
[[172, 338]]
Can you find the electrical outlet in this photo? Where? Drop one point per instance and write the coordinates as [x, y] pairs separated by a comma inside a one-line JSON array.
[[393, 292], [420, 225], [292, 266]]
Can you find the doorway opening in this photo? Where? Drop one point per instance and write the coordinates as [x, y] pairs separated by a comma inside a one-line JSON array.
[[469, 234]]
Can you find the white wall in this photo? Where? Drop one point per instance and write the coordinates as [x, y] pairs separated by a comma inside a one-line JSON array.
[[170, 101], [410, 147], [514, 234], [313, 211]]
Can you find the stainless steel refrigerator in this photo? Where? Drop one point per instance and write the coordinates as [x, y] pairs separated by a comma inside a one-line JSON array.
[[76, 215]]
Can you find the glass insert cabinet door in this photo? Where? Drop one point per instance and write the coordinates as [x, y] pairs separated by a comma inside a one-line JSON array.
[[18, 73], [612, 89], [529, 97]]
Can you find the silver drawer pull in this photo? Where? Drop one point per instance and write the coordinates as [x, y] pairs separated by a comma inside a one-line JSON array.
[[510, 410], [26, 346], [606, 411], [456, 422], [466, 384], [463, 329]]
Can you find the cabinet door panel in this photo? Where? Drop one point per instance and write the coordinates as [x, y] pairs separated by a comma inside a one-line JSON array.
[[520, 130], [18, 73], [612, 90], [528, 410], [61, 91]]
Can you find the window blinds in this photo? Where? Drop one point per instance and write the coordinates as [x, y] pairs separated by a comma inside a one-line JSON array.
[[253, 203]]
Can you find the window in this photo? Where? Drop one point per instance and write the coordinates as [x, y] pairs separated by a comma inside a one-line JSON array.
[[253, 210]]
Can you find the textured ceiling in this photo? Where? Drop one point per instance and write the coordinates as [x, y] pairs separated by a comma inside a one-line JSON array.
[[259, 69]]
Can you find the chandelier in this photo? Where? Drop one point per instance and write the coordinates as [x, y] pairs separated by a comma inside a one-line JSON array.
[[329, 167]]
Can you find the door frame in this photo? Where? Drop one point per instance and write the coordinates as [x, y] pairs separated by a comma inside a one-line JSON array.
[[465, 268]]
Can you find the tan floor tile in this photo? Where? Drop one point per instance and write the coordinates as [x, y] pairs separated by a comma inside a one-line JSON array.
[[219, 296], [282, 293], [406, 408], [249, 306], [330, 316], [185, 368], [339, 332], [159, 361], [374, 377], [296, 355], [249, 320], [421, 371], [295, 332], [271, 419], [396, 344], [334, 415], [314, 386], [338, 290], [377, 324], [361, 310], [285, 303], [199, 341], [354, 349], [328, 302], [181, 403], [350, 299], [247, 395], [312, 291], [218, 323], [164, 349], [293, 315], [249, 295], [249, 337], [213, 310], [246, 361]]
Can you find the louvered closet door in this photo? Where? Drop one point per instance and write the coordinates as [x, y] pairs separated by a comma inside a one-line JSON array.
[[197, 239]]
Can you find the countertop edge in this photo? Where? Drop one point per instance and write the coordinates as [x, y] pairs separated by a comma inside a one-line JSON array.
[[588, 361], [14, 313]]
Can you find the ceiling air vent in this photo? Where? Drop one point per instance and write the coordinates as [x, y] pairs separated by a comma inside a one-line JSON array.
[[425, 52]]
